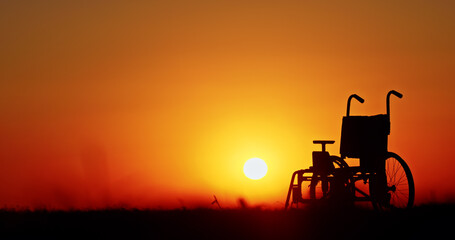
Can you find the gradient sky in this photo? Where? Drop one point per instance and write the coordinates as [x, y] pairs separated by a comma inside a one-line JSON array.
[[159, 103]]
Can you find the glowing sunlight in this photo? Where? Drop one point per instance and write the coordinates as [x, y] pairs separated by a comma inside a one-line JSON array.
[[255, 168]]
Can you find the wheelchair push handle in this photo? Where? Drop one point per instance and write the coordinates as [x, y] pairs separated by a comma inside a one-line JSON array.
[[349, 102], [399, 95]]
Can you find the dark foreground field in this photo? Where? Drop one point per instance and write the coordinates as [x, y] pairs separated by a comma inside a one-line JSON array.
[[430, 221]]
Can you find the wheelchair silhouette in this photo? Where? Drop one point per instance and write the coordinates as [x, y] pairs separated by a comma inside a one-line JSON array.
[[332, 180]]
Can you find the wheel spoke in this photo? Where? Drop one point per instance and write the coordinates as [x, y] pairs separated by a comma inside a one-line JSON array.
[[396, 171], [403, 174]]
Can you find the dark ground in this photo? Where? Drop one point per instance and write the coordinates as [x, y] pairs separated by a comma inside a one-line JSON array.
[[429, 221]]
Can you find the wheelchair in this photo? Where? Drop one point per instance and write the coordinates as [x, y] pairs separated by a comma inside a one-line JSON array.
[[387, 179]]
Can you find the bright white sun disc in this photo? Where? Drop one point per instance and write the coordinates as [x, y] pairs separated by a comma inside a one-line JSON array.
[[255, 168]]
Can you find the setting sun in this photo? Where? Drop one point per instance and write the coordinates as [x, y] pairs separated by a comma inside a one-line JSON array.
[[255, 168]]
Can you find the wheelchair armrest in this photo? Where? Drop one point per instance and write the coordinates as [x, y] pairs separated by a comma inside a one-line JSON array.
[[323, 143]]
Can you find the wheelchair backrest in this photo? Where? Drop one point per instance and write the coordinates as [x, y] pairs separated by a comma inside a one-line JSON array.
[[364, 136]]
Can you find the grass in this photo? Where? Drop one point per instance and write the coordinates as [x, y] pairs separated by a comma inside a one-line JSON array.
[[309, 223]]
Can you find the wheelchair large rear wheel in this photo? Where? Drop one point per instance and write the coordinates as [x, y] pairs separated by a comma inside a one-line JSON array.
[[400, 191]]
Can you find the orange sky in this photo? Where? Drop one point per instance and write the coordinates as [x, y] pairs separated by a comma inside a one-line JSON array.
[[159, 104]]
